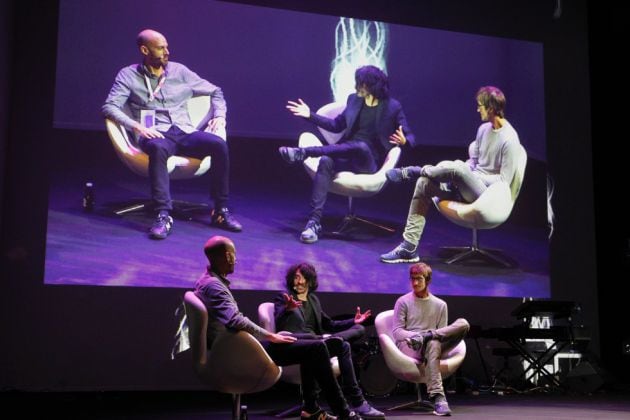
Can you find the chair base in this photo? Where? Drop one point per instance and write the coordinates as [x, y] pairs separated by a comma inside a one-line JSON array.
[[352, 219], [420, 405], [290, 412], [181, 209], [471, 252]]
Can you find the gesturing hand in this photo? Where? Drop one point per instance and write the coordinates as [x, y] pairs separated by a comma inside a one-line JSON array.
[[290, 302], [398, 138], [361, 317], [299, 109]]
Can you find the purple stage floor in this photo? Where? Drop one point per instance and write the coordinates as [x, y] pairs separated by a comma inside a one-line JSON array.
[[100, 248]]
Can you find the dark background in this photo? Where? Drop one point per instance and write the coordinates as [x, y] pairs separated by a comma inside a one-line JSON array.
[[93, 338]]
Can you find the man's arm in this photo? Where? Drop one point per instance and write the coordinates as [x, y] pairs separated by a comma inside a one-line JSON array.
[[116, 100], [403, 135], [202, 87], [287, 319], [399, 330]]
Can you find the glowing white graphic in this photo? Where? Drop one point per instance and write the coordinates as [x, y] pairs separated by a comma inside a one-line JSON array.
[[357, 43]]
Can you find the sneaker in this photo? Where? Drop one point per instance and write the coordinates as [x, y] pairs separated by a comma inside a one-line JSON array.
[[161, 227], [409, 173], [318, 415], [441, 407], [224, 219], [352, 415], [292, 154], [311, 232], [366, 411], [400, 255]]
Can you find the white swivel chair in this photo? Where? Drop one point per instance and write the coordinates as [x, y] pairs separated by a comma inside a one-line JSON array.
[[407, 368], [348, 184], [490, 210], [291, 373], [179, 167], [235, 364]]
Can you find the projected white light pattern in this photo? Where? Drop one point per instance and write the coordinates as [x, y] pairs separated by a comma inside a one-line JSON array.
[[357, 43]]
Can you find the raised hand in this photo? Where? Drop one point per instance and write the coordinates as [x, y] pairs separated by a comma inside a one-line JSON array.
[[361, 317], [290, 302], [398, 138], [299, 109]]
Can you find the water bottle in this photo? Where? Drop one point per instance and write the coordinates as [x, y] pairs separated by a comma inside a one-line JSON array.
[[88, 197]]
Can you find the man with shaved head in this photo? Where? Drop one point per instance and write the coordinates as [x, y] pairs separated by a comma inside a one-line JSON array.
[[213, 288], [155, 92]]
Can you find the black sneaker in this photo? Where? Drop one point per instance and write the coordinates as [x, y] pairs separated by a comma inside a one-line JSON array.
[[292, 154], [409, 173], [161, 227], [223, 218]]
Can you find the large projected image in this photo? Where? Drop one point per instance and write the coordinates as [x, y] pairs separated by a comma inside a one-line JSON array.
[[261, 58]]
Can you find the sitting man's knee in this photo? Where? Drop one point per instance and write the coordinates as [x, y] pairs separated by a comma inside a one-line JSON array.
[[326, 163]]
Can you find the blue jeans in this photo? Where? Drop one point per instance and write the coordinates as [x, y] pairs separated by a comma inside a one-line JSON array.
[[352, 155], [197, 144]]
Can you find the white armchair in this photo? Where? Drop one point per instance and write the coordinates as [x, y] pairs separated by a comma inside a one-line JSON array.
[[179, 167], [407, 368], [348, 184], [235, 364], [490, 210], [291, 373]]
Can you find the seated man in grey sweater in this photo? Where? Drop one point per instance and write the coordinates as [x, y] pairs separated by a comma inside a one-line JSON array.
[[421, 331], [493, 157]]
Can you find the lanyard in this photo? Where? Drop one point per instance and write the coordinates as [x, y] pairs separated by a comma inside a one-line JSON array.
[[157, 88]]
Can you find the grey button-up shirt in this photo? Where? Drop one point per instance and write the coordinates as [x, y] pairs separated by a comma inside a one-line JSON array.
[[223, 312], [129, 95]]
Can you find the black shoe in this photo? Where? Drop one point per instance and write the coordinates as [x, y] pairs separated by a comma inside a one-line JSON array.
[[223, 218], [409, 173], [292, 154], [161, 227]]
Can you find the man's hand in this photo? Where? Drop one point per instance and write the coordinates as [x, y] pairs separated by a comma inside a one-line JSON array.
[[398, 138], [361, 317], [299, 109], [148, 133], [216, 123], [281, 338], [290, 302]]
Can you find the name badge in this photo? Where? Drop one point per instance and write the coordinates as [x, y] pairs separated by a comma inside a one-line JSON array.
[[147, 118]]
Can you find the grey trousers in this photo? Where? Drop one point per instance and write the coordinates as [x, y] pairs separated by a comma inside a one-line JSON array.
[[449, 180], [444, 339]]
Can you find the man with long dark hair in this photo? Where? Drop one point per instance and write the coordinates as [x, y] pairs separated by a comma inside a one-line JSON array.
[[372, 123], [299, 311], [213, 288]]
